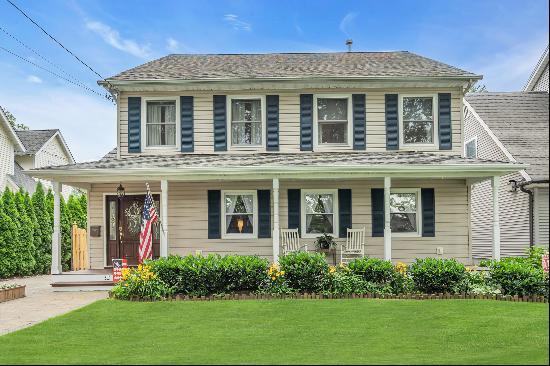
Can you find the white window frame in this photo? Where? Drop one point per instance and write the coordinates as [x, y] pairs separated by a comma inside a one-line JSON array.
[[418, 192], [229, 103], [435, 111], [473, 139], [254, 194], [316, 144], [335, 210], [144, 101]]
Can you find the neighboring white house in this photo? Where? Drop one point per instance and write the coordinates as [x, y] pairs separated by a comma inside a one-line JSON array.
[[21, 150], [513, 127], [237, 147]]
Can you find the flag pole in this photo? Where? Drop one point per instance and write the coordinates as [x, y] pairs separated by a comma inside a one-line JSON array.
[[158, 213]]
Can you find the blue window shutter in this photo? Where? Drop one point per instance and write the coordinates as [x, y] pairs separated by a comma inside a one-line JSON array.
[[272, 133], [186, 114], [294, 214], [444, 120], [220, 123], [392, 122], [428, 211], [344, 211], [214, 215], [359, 120], [134, 124], [264, 213], [377, 206], [306, 122]]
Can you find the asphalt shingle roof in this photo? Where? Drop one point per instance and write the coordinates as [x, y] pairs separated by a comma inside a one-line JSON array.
[[291, 65], [319, 159], [33, 140], [520, 121]]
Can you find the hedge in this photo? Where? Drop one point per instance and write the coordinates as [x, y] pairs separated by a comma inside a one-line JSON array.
[[26, 225]]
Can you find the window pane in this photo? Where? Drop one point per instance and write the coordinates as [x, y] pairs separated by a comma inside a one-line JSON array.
[[319, 224], [112, 220], [415, 132], [161, 112], [403, 222], [319, 203], [246, 110], [246, 133], [333, 132], [471, 149], [161, 135], [403, 202], [332, 109], [418, 109], [239, 224], [237, 203]]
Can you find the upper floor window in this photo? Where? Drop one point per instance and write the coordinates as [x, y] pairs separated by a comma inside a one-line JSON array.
[[240, 214], [405, 211], [332, 120], [418, 120], [319, 210], [246, 121], [470, 148], [161, 123]]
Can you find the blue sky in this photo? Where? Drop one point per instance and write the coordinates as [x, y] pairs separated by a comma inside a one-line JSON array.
[[500, 39]]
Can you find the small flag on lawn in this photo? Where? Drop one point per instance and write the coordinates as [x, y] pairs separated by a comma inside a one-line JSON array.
[[149, 217], [545, 263]]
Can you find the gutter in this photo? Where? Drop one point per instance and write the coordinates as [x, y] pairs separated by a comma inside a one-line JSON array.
[[524, 187]]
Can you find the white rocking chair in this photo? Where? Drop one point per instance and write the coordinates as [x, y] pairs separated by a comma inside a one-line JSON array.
[[290, 240], [355, 245]]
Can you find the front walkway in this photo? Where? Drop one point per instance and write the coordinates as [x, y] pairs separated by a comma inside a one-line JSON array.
[[41, 303]]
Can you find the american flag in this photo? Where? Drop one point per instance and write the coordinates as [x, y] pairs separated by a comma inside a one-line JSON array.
[[146, 236]]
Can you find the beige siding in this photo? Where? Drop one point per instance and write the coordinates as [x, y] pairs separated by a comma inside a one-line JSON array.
[[188, 219], [289, 118], [51, 154], [6, 156], [541, 216], [514, 206]]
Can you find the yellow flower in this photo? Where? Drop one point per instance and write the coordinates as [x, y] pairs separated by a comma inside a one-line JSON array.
[[282, 273], [331, 269]]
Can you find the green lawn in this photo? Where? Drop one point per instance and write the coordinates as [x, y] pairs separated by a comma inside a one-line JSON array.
[[288, 331]]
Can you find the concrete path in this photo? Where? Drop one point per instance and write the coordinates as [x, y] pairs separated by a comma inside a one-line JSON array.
[[41, 303]]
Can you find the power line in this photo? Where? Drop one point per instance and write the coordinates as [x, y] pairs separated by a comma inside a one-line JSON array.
[[55, 74], [65, 48], [39, 55]]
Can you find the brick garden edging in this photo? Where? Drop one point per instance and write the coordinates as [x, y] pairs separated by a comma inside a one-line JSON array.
[[515, 298], [13, 293]]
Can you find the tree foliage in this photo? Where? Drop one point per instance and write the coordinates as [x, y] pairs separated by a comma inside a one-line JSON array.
[[13, 121]]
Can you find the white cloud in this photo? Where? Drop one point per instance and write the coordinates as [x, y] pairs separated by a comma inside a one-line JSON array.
[[172, 45], [236, 23], [87, 122], [34, 79], [112, 37], [346, 21]]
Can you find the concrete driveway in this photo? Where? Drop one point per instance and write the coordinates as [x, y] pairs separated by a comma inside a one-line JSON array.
[[41, 303]]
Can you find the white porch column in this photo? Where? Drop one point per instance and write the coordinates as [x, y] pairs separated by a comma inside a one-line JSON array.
[[387, 227], [164, 218], [496, 219], [275, 220], [56, 236]]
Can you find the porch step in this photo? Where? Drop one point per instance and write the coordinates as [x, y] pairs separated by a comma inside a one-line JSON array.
[[82, 277], [82, 286]]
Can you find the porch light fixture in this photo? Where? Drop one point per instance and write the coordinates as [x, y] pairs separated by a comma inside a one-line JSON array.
[[513, 185], [120, 192]]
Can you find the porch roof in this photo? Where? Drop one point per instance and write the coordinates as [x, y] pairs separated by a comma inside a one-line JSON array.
[[266, 165]]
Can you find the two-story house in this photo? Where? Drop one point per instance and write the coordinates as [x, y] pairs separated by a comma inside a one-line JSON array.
[[237, 146]]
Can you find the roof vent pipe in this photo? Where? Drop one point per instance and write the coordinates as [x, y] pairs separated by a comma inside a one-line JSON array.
[[349, 42]]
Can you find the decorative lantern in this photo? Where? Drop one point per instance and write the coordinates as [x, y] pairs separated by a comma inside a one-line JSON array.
[[240, 224], [120, 192]]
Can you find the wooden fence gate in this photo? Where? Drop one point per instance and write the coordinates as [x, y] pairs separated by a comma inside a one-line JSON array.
[[79, 249]]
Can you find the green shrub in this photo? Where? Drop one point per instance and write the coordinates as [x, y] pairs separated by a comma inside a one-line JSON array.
[[345, 282], [373, 269], [26, 260], [431, 275], [43, 232], [141, 282], [518, 276], [213, 274], [304, 271]]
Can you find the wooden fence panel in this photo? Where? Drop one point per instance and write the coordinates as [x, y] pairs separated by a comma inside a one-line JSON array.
[[79, 249]]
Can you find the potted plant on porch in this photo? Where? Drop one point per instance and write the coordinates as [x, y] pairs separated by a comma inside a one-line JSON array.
[[325, 242]]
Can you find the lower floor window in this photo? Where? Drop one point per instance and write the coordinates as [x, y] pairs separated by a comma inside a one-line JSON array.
[[320, 212], [404, 211], [239, 210]]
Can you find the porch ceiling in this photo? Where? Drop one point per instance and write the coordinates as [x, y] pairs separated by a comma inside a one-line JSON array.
[[258, 166]]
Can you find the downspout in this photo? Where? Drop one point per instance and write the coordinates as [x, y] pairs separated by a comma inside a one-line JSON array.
[[531, 194]]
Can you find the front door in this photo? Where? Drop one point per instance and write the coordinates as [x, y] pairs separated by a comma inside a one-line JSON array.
[[124, 226]]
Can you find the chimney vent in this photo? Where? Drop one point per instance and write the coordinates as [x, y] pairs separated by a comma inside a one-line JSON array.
[[349, 42]]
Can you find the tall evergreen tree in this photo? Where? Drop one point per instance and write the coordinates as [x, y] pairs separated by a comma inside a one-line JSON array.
[[66, 237], [26, 261], [8, 241], [45, 229], [37, 238]]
